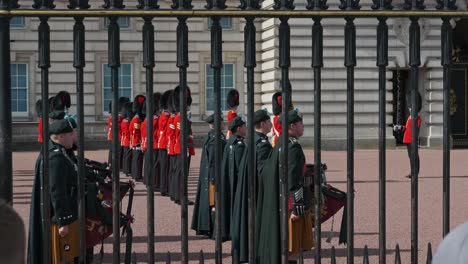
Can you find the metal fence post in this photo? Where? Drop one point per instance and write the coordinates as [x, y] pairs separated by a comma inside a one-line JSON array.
[[79, 63], [6, 162], [350, 63], [382, 63], [446, 61]]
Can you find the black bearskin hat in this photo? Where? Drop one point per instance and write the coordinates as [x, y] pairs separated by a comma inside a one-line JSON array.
[[39, 108], [170, 102], [409, 101], [164, 100], [122, 102], [277, 101], [128, 113], [232, 98], [138, 104], [156, 98], [176, 98], [61, 101]]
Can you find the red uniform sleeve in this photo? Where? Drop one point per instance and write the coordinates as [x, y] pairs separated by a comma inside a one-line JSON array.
[[39, 130], [407, 136], [135, 132], [144, 139], [170, 134], [109, 128]]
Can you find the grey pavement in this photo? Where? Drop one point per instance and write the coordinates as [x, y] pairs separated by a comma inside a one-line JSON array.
[[167, 214]]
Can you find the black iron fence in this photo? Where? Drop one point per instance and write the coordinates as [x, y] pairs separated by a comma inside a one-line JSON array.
[[215, 9]]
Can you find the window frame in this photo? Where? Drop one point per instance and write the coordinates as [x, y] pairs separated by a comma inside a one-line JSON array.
[[208, 24], [103, 87], [26, 112], [234, 81], [129, 27], [22, 26]]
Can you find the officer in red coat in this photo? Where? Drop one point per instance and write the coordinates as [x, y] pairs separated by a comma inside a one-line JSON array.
[[407, 136], [161, 166], [232, 100], [148, 164], [277, 105], [122, 102], [135, 138], [125, 139], [172, 159]]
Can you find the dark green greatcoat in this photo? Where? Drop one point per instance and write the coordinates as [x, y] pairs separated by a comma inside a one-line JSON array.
[[63, 196], [240, 217], [201, 220], [232, 157]]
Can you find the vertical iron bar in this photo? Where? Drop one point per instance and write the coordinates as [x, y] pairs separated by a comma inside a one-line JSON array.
[[6, 162], [284, 63], [79, 63], [382, 62], [44, 64], [415, 62], [317, 64], [250, 64], [148, 63], [114, 64], [183, 63], [350, 63], [446, 61], [217, 64]]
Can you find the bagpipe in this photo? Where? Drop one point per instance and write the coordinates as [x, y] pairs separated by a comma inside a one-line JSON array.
[[99, 211], [333, 199]]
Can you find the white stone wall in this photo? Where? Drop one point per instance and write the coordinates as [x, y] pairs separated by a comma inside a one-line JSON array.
[[62, 73]]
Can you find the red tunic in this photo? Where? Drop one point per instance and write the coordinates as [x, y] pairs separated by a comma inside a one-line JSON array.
[[190, 146], [177, 149], [230, 116], [109, 127], [170, 135], [162, 127], [155, 132], [276, 130], [39, 129], [144, 138], [135, 132], [407, 139], [125, 138]]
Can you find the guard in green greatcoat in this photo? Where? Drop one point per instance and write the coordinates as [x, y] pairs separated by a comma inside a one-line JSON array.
[[202, 220], [232, 157], [63, 196], [269, 198], [240, 217]]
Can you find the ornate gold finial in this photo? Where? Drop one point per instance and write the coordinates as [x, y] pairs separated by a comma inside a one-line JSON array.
[[453, 102]]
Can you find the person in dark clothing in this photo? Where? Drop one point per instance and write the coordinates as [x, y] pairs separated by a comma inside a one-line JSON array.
[[240, 216], [203, 212], [233, 153]]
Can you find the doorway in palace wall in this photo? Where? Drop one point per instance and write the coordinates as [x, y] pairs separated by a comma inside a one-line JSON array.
[[459, 85]]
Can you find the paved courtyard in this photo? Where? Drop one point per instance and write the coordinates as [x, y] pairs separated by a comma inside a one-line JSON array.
[[167, 214]]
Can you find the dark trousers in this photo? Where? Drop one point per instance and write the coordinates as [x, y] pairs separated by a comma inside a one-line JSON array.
[[127, 161], [410, 154], [149, 165], [161, 167], [137, 164]]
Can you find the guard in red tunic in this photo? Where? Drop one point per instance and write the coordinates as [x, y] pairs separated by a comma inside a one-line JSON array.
[[178, 169], [161, 166], [39, 116], [407, 130], [232, 101], [135, 138], [148, 164], [125, 139], [170, 134], [277, 105], [121, 107]]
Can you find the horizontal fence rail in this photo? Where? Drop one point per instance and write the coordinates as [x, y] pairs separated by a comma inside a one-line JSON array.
[[235, 13]]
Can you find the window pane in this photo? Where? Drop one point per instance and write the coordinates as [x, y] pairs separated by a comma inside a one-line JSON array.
[[224, 22], [125, 84], [22, 94], [124, 22], [22, 106], [22, 81], [17, 22], [21, 69], [19, 87], [227, 83]]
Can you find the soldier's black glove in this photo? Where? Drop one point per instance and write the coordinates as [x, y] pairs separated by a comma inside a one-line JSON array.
[[298, 208], [298, 205]]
